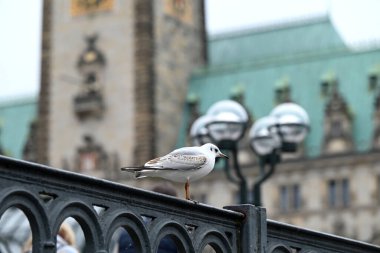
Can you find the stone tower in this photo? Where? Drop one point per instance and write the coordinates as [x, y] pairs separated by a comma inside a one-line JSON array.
[[114, 78]]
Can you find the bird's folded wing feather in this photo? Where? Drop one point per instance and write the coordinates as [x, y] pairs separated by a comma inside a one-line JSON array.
[[179, 159]]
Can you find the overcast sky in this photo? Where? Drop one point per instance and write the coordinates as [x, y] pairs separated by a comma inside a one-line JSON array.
[[357, 21]]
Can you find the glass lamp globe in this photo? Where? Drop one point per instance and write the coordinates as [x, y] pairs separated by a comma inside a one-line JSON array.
[[263, 136], [228, 106], [229, 120], [198, 132], [292, 121]]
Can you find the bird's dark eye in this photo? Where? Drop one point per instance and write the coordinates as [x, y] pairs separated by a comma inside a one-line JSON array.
[[216, 151]]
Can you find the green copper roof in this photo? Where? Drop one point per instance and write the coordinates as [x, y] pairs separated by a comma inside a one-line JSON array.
[[300, 37], [15, 118], [303, 73]]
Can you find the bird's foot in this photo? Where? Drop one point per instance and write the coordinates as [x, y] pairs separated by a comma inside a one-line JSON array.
[[196, 202]]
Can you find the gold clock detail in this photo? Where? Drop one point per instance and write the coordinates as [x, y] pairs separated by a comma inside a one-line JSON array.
[[83, 7]]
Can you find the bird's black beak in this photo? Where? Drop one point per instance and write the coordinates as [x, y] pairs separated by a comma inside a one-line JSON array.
[[222, 155]]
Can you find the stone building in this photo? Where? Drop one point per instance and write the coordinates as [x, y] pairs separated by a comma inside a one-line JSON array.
[[333, 183], [114, 79]]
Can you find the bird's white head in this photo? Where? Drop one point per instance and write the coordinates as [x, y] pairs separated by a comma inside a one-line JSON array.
[[212, 149]]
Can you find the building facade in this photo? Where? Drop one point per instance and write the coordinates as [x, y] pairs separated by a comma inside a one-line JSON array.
[[16, 119], [332, 183], [114, 73]]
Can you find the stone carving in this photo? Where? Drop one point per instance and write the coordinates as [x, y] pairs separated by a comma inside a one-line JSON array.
[[91, 63], [91, 156], [237, 94], [338, 125], [282, 91], [92, 159]]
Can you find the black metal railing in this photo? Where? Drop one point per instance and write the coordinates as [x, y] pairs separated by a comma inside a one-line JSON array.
[[292, 239], [48, 196]]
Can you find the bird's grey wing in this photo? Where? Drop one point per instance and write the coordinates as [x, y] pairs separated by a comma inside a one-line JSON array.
[[156, 163], [186, 161], [187, 158], [179, 159], [187, 151]]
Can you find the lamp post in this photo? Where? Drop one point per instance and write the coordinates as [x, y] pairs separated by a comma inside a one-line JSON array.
[[227, 127], [281, 131], [225, 123]]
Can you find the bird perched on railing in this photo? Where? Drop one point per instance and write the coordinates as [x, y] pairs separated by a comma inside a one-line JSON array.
[[182, 165]]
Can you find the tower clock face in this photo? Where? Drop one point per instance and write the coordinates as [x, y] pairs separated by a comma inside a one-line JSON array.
[[83, 7]]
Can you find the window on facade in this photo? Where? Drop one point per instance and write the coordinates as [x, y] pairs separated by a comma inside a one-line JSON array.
[[338, 193], [373, 81], [290, 197], [283, 94], [296, 197], [332, 193], [345, 192], [336, 128], [324, 88], [284, 198]]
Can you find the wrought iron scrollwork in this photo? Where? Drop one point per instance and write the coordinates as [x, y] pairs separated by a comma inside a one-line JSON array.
[[48, 196], [280, 248]]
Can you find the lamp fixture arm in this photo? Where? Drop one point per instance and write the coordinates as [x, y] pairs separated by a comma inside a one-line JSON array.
[[228, 173], [273, 158], [243, 181]]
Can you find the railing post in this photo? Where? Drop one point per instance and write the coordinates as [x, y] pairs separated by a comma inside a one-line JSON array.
[[49, 247], [253, 234]]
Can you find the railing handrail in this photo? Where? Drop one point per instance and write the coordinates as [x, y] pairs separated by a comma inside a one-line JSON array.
[[24, 184], [48, 196], [104, 187], [318, 239]]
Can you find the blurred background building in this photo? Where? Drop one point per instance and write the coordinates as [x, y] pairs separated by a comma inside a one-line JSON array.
[[332, 184], [114, 73], [122, 82]]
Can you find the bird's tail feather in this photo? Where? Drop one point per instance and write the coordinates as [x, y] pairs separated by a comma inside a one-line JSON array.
[[139, 170], [132, 169], [135, 170], [142, 171]]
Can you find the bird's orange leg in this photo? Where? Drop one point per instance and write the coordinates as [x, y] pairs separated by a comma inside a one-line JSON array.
[[187, 189]]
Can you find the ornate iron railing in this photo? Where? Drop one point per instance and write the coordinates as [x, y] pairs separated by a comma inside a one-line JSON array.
[[48, 196], [285, 238]]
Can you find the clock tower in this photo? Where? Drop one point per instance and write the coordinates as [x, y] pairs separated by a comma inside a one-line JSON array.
[[113, 80]]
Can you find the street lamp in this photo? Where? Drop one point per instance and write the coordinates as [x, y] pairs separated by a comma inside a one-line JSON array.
[[281, 131], [227, 126], [228, 122], [293, 123], [225, 123], [199, 133], [263, 136]]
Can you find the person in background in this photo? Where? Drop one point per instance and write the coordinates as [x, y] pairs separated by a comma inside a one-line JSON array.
[[65, 241], [167, 245]]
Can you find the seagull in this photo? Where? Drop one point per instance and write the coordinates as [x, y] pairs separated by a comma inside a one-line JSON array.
[[182, 165]]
